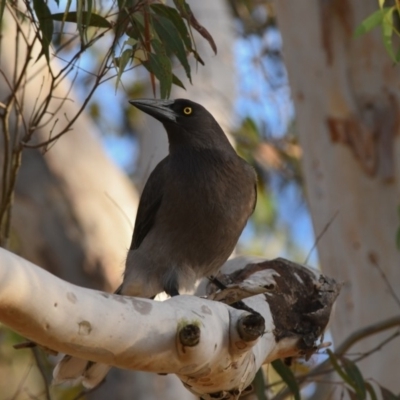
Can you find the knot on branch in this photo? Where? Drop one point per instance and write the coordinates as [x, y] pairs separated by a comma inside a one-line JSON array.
[[300, 298], [189, 335], [301, 302], [251, 327], [233, 394]]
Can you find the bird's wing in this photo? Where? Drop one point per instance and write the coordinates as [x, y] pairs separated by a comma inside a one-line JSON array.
[[149, 203]]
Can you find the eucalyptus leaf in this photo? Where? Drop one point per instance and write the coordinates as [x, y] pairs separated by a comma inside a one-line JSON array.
[[122, 62], [45, 25], [371, 391], [387, 394], [355, 375], [176, 19], [288, 377], [95, 19], [88, 13], [176, 81], [371, 22], [2, 7], [387, 31], [164, 68], [170, 37]]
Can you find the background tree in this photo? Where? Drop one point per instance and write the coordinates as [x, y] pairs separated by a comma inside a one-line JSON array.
[[347, 110]]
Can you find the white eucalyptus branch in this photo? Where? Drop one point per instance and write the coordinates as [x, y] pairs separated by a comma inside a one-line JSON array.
[[213, 348]]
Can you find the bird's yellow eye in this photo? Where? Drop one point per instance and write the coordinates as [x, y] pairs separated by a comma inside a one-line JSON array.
[[187, 110]]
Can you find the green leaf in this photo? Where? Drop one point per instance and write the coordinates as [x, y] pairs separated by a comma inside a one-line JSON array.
[[79, 11], [122, 62], [288, 377], [265, 210], [398, 229], [94, 20], [352, 395], [370, 22], [2, 7], [197, 57], [133, 32], [350, 374], [176, 19], [371, 391], [66, 11], [136, 29], [387, 394], [356, 377], [259, 385], [162, 68], [159, 64], [398, 239], [126, 3], [338, 368], [176, 81], [169, 35], [123, 18], [183, 7], [45, 25], [89, 6], [138, 17], [387, 31]]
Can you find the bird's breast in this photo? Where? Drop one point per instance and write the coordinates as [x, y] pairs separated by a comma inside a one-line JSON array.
[[204, 209], [211, 196]]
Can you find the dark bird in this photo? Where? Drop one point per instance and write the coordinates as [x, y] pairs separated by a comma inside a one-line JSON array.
[[192, 211]]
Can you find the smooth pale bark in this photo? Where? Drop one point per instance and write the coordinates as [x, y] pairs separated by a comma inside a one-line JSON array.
[[346, 92], [144, 334], [130, 332]]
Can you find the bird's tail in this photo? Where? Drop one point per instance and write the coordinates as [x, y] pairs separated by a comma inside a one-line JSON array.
[[75, 370]]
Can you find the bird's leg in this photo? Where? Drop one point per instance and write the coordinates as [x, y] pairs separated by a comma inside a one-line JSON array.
[[217, 282], [240, 305], [172, 292], [171, 283]]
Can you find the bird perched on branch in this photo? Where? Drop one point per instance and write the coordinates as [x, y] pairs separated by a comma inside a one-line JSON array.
[[192, 211]]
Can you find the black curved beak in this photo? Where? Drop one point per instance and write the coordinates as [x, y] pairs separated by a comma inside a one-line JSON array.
[[159, 109]]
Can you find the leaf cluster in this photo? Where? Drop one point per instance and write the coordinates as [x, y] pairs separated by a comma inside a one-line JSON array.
[[147, 33], [353, 382], [387, 18]]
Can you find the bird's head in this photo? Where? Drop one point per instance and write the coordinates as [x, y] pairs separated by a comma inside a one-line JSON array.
[[186, 122]]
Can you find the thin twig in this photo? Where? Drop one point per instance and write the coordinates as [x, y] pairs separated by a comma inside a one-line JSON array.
[[39, 365], [352, 339], [123, 213], [375, 263], [321, 234], [22, 382]]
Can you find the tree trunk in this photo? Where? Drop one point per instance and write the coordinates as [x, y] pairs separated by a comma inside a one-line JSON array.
[[346, 94]]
